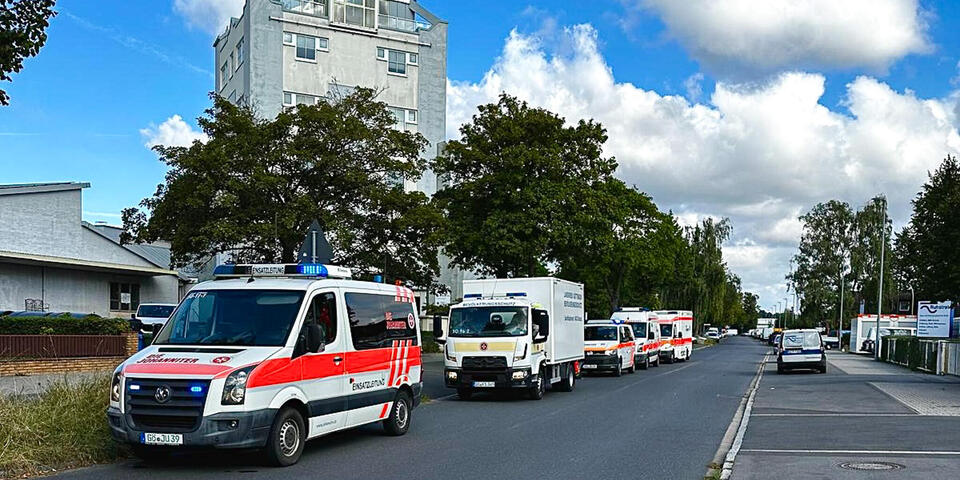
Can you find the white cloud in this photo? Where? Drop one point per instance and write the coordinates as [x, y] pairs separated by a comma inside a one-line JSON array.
[[736, 37], [173, 132], [693, 86], [210, 16], [759, 154]]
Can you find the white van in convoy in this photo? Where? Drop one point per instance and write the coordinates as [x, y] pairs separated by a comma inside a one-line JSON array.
[[514, 333], [801, 349], [646, 331], [269, 356], [609, 345], [676, 332]]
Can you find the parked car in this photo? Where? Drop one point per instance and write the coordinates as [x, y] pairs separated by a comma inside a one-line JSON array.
[[713, 335], [801, 349], [152, 316]]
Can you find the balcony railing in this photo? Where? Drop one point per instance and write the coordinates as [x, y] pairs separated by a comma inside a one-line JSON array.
[[306, 7], [397, 23]]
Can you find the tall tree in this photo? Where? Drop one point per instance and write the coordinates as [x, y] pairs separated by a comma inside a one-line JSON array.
[[253, 189], [927, 257], [23, 31], [514, 184], [871, 224], [822, 259]]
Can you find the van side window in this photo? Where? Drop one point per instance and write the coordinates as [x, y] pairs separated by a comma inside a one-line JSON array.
[[377, 320], [323, 312]]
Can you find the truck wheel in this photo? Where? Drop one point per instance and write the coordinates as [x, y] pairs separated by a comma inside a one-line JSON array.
[[399, 420], [566, 385], [464, 393], [539, 388], [287, 436]]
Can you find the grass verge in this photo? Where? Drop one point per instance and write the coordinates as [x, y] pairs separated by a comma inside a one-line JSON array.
[[65, 427]]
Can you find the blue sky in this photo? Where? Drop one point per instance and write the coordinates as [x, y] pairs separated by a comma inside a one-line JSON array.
[[111, 69]]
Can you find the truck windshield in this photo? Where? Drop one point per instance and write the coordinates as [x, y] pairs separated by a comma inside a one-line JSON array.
[[639, 330], [600, 333], [666, 330], [488, 322], [233, 317]]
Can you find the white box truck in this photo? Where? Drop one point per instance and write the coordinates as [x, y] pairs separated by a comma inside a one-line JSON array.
[[516, 333]]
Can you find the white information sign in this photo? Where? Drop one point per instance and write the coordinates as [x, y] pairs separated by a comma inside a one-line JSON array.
[[934, 319]]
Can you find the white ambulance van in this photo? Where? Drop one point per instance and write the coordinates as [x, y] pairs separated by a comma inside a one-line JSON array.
[[646, 330], [268, 357], [608, 345], [676, 332], [514, 333]]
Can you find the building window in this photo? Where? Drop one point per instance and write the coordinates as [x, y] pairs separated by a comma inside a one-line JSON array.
[[124, 297], [287, 38], [287, 98], [396, 16], [397, 62], [412, 58], [306, 48], [412, 116], [232, 65], [381, 53], [360, 13], [290, 99], [323, 44], [404, 119], [223, 76], [239, 53]]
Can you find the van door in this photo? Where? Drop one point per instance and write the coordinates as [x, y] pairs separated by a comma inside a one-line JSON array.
[[322, 372], [627, 345], [386, 353]]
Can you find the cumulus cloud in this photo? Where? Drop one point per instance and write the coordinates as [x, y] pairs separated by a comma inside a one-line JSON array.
[[173, 132], [760, 154], [210, 16], [736, 37]]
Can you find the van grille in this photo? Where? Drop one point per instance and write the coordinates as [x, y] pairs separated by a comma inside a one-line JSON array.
[[182, 412]]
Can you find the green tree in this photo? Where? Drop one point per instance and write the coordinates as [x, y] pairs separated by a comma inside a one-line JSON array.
[[871, 223], [23, 25], [926, 254], [821, 260], [253, 189], [514, 183]]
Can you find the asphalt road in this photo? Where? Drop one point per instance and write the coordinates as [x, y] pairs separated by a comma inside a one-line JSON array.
[[663, 423]]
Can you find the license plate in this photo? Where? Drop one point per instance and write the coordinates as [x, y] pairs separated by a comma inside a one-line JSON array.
[[483, 384], [589, 366], [161, 439]]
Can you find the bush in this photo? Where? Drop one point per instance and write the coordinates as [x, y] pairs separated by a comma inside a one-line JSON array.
[[430, 345], [62, 428], [63, 325]]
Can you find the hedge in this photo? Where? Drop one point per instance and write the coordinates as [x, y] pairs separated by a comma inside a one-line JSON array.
[[64, 325]]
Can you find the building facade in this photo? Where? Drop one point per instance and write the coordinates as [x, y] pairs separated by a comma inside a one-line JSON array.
[[53, 261], [282, 53]]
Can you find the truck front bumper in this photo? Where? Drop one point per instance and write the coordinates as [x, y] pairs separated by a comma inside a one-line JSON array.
[[221, 430], [459, 378]]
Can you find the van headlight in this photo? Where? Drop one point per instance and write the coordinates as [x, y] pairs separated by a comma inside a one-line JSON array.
[[235, 388], [612, 352], [115, 387]]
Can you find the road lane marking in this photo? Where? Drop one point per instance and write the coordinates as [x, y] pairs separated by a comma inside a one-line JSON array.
[[853, 452], [840, 415], [727, 471]]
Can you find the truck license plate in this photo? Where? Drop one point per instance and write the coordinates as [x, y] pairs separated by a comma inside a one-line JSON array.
[[161, 439], [589, 366], [483, 384]]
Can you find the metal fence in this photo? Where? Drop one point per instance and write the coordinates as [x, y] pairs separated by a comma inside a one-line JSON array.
[[929, 355], [62, 346]]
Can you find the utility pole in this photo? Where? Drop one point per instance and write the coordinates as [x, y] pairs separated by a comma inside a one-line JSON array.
[[883, 241], [785, 305], [840, 314]]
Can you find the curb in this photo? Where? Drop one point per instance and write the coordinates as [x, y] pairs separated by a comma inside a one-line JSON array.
[[733, 438]]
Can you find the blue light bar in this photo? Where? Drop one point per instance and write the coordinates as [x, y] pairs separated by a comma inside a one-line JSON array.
[[517, 294], [224, 270], [312, 269], [473, 295]]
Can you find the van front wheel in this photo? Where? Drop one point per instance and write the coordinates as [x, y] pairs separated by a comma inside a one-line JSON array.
[[399, 420], [287, 436]]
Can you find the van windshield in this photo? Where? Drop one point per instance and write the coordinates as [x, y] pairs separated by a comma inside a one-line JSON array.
[[639, 330], [488, 322], [666, 330], [600, 333], [233, 317]]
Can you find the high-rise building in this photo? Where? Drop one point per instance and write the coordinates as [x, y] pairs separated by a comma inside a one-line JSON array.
[[287, 52]]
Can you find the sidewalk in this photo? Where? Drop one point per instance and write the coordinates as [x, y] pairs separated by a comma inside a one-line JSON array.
[[863, 419], [36, 384]]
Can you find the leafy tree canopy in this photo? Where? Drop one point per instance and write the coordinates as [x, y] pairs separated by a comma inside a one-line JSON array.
[[23, 25], [253, 189]]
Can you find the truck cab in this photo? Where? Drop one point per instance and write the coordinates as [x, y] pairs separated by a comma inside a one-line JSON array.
[[514, 334], [268, 357], [608, 346]]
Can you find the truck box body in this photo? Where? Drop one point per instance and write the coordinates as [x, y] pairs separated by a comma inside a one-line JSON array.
[[562, 300]]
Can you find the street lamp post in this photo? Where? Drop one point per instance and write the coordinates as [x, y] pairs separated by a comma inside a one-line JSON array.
[[785, 304], [883, 238]]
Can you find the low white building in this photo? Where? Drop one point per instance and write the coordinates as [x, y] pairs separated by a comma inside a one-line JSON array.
[[53, 261]]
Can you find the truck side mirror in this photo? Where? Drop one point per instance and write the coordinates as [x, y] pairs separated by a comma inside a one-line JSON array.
[[438, 329], [542, 320]]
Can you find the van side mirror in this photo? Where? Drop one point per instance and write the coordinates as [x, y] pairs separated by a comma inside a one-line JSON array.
[[651, 335], [310, 340], [542, 320], [438, 329]]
